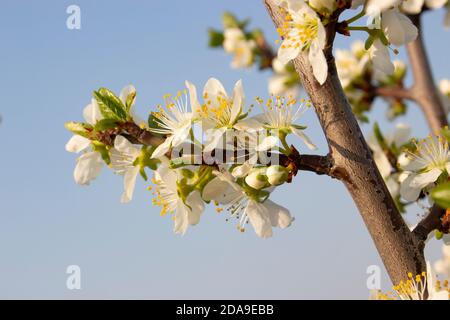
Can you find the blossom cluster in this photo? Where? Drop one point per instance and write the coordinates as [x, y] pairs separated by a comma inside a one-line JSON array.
[[188, 160]]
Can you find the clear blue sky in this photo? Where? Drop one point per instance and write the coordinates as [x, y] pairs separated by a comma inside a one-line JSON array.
[[47, 222]]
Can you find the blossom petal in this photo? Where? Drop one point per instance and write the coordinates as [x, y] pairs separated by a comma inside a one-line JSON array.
[[77, 143], [195, 202], [215, 189], [319, 64], [122, 145], [125, 92], [287, 53], [91, 112], [129, 182], [258, 216], [279, 215], [180, 218], [408, 192], [88, 167], [402, 134], [267, 143], [214, 139], [380, 58], [238, 101], [162, 148], [398, 28], [214, 87], [422, 180], [299, 133], [195, 105]]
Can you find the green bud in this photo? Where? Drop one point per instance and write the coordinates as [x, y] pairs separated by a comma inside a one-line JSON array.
[[277, 175]]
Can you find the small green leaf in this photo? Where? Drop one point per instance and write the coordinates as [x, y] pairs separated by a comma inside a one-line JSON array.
[[143, 173], [216, 38], [105, 124], [299, 127], [110, 105], [441, 195], [82, 129], [229, 20], [379, 136]]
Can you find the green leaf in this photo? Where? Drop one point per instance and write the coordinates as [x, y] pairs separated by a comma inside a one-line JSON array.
[[130, 100], [82, 129], [110, 105], [216, 38], [105, 124], [229, 20], [441, 195], [379, 136]]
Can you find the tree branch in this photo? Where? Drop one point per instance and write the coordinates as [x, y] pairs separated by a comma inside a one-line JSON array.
[[430, 223], [424, 91], [353, 163], [394, 92]]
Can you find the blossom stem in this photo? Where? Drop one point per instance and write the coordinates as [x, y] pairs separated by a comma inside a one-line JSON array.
[[359, 28], [356, 17]]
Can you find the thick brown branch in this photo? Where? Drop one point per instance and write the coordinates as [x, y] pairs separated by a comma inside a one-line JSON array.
[[431, 222], [314, 163], [424, 91], [353, 163]]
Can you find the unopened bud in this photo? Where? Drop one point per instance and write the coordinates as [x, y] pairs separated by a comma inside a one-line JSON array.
[[256, 179], [277, 175]]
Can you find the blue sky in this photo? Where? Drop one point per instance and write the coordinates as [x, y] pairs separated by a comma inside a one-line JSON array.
[[47, 222]]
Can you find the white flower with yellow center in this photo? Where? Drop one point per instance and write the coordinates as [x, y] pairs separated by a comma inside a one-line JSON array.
[[123, 162], [281, 82], [263, 214], [425, 167], [242, 49], [400, 136], [175, 119], [424, 286], [90, 163], [379, 55], [303, 33], [350, 66], [185, 208], [396, 139], [280, 114], [221, 113]]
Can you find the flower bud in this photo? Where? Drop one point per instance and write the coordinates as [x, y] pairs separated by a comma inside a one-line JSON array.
[[277, 175], [256, 179]]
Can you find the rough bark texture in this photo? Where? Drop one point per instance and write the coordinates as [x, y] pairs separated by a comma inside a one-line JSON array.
[[424, 91], [354, 165]]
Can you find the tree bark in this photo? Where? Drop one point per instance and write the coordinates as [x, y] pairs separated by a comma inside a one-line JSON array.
[[424, 91], [354, 165]]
